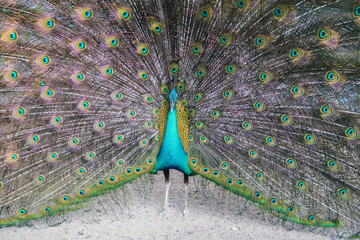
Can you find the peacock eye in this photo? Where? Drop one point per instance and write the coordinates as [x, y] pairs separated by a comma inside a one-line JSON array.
[[50, 23], [242, 5], [157, 27], [174, 68], [88, 14], [206, 12], [85, 13], [225, 39], [261, 41], [112, 41], [196, 48], [324, 34], [357, 10]]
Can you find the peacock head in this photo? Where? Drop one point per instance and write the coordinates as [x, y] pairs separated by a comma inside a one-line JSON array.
[[172, 97]]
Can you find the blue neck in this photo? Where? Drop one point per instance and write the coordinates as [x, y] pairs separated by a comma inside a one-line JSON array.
[[172, 154]]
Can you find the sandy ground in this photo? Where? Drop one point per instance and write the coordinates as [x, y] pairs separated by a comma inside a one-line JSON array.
[[211, 217]]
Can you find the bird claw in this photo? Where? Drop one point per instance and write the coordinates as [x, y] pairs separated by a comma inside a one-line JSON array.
[[164, 213], [185, 213]]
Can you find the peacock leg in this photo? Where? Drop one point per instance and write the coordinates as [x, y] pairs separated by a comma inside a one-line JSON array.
[[186, 181], [167, 181]]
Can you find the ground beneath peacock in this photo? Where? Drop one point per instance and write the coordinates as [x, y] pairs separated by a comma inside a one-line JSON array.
[[140, 218]]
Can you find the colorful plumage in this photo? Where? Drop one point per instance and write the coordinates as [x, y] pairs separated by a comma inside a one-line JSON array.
[[259, 96]]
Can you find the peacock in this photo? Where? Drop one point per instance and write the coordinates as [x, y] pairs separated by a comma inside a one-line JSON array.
[[260, 97]]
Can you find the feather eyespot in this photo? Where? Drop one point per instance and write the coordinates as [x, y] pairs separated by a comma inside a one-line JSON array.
[[224, 165], [228, 94], [273, 201], [90, 156], [22, 212], [117, 96], [253, 154], [131, 114], [243, 4], [123, 13], [257, 195], [143, 49], [174, 68], [286, 120], [333, 165], [296, 91], [343, 193], [180, 87], [259, 176], [296, 53], [19, 112], [240, 182], [47, 23], [85, 13], [33, 139], [198, 96], [270, 141], [351, 133], [261, 41], [259, 106], [301, 185], [290, 162], [311, 219], [43, 60], [78, 77], [157, 27], [150, 161], [197, 48], [144, 142], [228, 139], [12, 75], [40, 179], [230, 69], [265, 77], [309, 139], [205, 12], [201, 72], [204, 139], [80, 171], [148, 98], [225, 39], [247, 126], [112, 41], [10, 36], [118, 138], [324, 34], [215, 114], [120, 163], [81, 193]]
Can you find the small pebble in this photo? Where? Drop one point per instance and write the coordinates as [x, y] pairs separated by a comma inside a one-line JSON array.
[[190, 232], [132, 216]]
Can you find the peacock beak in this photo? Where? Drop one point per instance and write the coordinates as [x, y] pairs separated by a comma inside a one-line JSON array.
[[172, 105]]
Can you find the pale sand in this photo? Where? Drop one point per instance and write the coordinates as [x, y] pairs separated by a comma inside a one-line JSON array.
[[141, 219]]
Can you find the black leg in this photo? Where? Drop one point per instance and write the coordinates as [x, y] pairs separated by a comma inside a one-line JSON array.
[[167, 175], [186, 179], [186, 182]]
